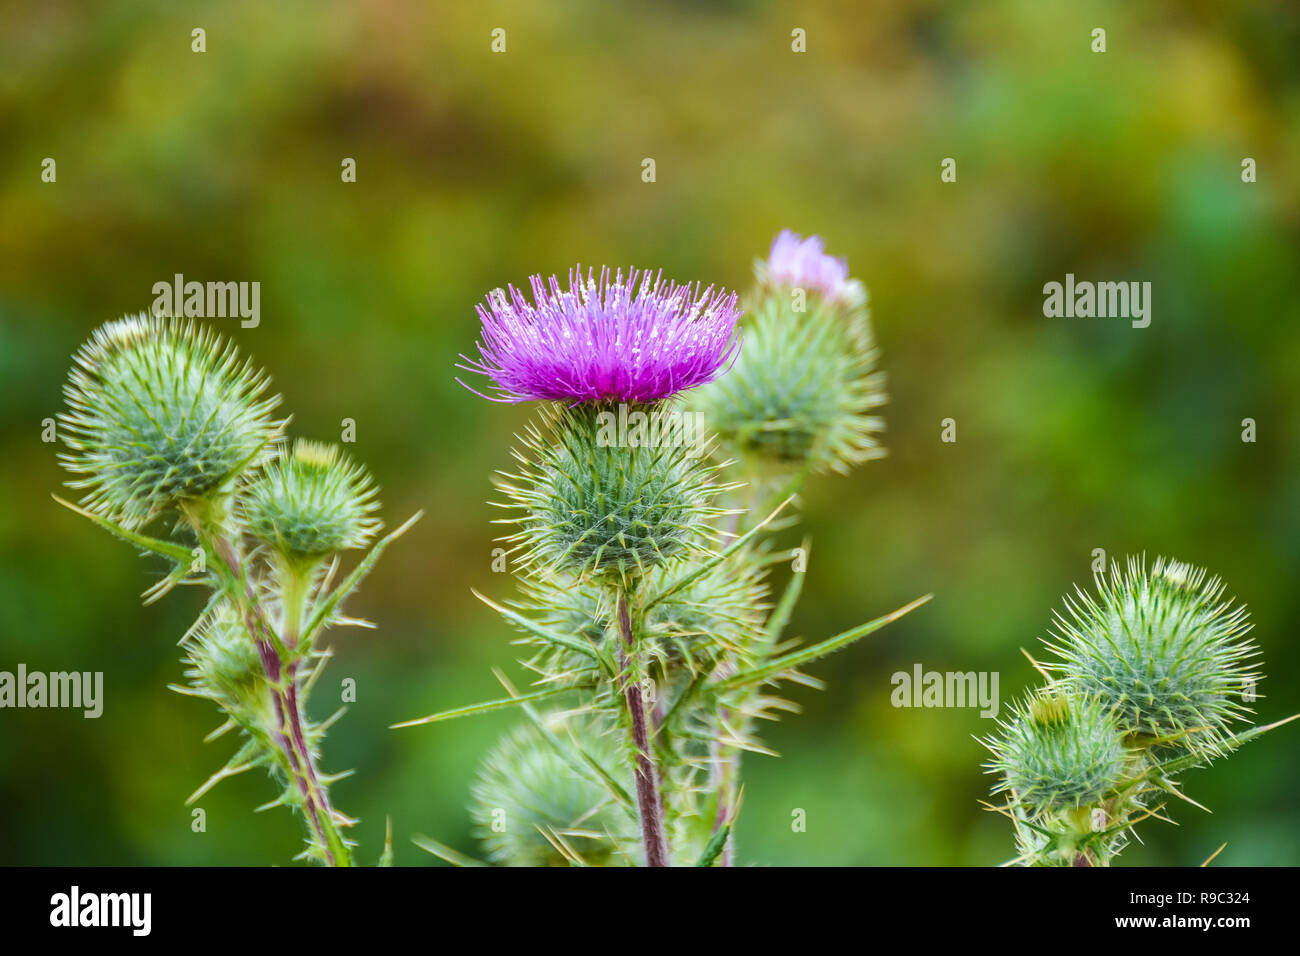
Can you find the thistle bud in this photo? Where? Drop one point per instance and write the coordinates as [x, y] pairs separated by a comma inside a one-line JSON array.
[[536, 805], [162, 414], [311, 504], [1058, 754], [1164, 649], [800, 394], [225, 666]]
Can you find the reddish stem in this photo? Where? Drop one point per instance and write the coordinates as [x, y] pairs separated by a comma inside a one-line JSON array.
[[647, 790]]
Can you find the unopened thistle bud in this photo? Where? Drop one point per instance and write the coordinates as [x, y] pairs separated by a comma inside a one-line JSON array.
[[311, 504], [225, 666], [536, 805], [1057, 753], [801, 394], [162, 414], [1165, 649]]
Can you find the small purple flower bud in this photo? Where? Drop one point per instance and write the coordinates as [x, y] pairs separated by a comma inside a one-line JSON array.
[[803, 263]]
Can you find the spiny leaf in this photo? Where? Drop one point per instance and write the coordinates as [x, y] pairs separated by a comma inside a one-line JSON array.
[[386, 858], [240, 763], [707, 565], [544, 633], [780, 615], [168, 549], [485, 707], [713, 849], [443, 852], [798, 658], [1231, 743], [327, 606], [589, 763]]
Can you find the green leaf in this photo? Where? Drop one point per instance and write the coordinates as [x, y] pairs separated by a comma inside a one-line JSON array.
[[545, 633], [713, 849], [168, 549], [485, 707], [443, 852], [327, 606], [588, 763], [780, 615], [1230, 744], [805, 655], [386, 858]]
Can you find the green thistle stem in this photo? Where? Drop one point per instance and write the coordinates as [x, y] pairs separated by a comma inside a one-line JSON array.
[[725, 776], [647, 790], [295, 585], [294, 754]]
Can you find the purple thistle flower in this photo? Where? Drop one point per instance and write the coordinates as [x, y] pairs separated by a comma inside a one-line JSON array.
[[635, 340], [803, 263]]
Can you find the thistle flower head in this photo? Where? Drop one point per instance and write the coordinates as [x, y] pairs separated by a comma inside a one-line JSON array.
[[636, 338], [593, 508], [801, 394], [161, 412], [538, 802], [1056, 753], [801, 263], [1165, 649], [311, 503]]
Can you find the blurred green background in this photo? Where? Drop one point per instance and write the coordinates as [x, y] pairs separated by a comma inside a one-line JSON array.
[[476, 169]]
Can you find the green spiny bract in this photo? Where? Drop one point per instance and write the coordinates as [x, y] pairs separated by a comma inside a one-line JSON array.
[[162, 414], [538, 801], [226, 668], [799, 395], [1165, 649], [718, 616], [595, 508], [311, 504], [1058, 753]]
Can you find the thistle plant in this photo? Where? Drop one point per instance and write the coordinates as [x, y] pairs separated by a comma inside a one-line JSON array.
[[166, 423], [1152, 675], [643, 549]]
